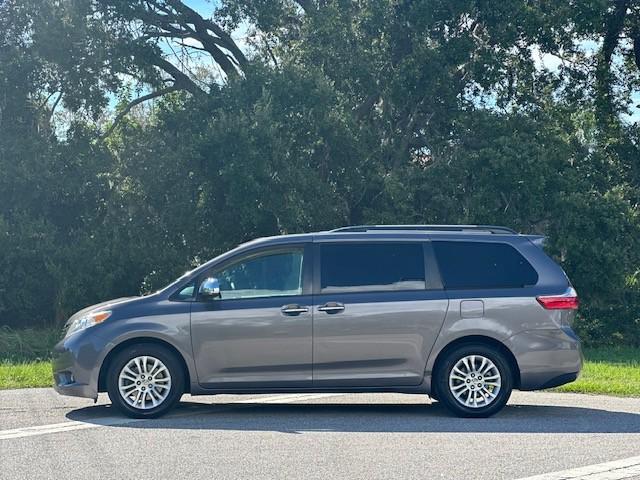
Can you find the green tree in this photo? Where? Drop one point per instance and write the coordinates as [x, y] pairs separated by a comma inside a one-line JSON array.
[[329, 112]]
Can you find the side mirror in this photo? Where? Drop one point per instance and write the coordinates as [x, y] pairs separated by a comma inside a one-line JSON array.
[[209, 288]]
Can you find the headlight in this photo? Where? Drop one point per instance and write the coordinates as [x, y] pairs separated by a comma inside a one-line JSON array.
[[88, 320]]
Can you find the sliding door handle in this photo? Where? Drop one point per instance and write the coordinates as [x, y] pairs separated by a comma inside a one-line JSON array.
[[331, 307], [294, 309]]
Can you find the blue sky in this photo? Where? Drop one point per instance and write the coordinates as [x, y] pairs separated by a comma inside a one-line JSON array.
[[204, 7]]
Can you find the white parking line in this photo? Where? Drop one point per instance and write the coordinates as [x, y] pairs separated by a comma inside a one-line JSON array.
[[114, 421], [63, 427], [625, 468]]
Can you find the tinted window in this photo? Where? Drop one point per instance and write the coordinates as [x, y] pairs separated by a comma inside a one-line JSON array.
[[371, 267], [483, 265], [267, 275]]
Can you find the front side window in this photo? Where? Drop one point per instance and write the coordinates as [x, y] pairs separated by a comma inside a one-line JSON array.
[[266, 275], [483, 265], [372, 267]]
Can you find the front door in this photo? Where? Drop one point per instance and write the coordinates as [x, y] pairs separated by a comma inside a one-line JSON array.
[[258, 333], [377, 313]]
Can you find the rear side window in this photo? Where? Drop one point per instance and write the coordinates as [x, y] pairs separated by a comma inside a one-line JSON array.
[[372, 267], [483, 265]]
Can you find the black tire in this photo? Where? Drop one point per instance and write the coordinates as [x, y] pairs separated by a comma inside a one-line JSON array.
[[171, 363], [448, 399]]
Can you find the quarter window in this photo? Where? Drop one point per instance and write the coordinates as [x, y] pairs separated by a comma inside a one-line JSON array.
[[483, 265], [372, 267], [267, 275], [186, 293]]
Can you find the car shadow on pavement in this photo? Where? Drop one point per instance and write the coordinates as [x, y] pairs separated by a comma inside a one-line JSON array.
[[372, 417]]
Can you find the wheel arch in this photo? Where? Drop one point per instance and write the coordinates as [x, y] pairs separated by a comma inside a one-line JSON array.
[[481, 339], [106, 363]]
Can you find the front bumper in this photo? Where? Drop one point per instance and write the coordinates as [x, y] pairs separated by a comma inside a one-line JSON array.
[[75, 366], [547, 357]]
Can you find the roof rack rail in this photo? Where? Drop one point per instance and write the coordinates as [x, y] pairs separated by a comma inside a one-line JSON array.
[[433, 228]]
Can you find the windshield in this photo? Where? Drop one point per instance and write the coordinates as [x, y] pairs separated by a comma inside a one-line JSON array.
[[178, 280]]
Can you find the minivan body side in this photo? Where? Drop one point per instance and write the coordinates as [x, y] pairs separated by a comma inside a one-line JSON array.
[[388, 340]]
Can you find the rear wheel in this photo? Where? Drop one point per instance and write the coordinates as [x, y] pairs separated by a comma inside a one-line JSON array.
[[145, 381], [474, 380]]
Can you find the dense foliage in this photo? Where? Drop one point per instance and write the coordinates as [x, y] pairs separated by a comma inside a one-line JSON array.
[[324, 113]]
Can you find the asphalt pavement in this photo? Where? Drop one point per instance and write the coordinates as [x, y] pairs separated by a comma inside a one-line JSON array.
[[319, 436]]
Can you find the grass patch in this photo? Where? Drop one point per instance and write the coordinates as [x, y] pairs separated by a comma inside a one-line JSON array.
[[608, 371], [24, 362], [25, 374], [25, 356]]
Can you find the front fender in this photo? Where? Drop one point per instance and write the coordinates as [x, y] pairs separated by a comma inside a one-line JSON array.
[[172, 327]]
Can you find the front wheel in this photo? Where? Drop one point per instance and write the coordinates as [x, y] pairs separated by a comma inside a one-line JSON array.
[[474, 380], [145, 381]]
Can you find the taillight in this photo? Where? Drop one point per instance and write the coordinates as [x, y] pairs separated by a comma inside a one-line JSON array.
[[568, 301]]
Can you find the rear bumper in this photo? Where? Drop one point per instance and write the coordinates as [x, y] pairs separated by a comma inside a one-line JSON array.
[[73, 364], [546, 358], [560, 380]]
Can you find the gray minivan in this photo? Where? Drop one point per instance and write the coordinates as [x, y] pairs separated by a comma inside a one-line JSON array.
[[462, 313]]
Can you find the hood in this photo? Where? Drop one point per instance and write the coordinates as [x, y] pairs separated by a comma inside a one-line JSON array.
[[103, 305]]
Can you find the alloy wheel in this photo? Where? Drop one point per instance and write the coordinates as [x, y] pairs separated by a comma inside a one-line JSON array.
[[475, 381], [144, 382]]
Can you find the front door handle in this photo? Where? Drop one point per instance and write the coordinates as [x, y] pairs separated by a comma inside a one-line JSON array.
[[293, 309], [331, 307]]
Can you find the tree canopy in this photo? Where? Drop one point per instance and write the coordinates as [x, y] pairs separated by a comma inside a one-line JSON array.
[[141, 137]]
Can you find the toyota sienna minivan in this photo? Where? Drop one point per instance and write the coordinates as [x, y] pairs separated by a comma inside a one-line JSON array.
[[463, 314]]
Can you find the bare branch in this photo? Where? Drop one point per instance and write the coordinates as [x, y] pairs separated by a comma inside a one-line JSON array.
[[365, 107], [151, 35], [202, 27], [306, 5], [635, 35], [133, 103], [182, 80], [193, 47], [46, 100], [614, 25], [165, 22], [54, 106], [173, 16], [271, 54], [407, 137]]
